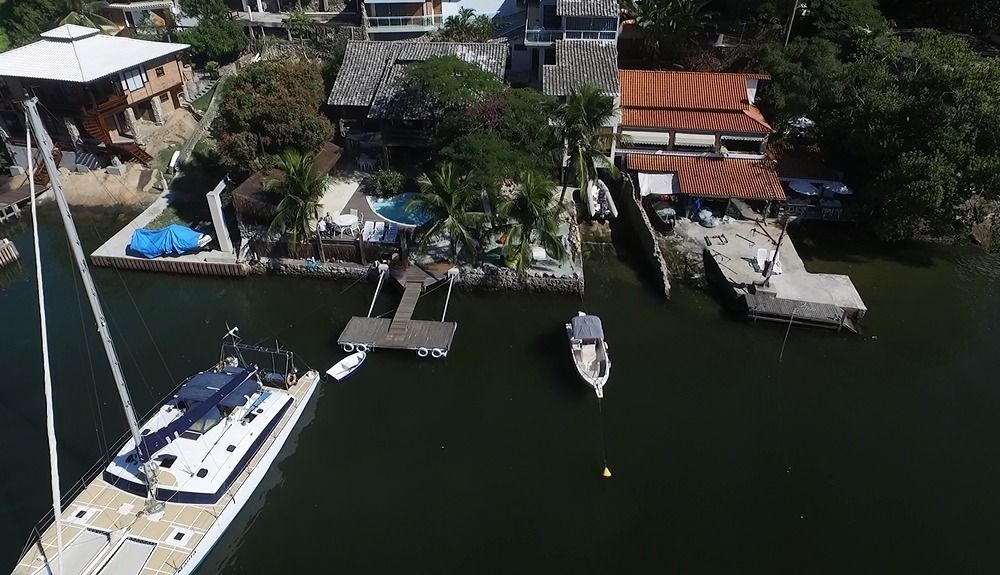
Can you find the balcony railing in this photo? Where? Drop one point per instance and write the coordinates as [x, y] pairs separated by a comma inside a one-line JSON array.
[[542, 36], [590, 35], [432, 21], [550, 36]]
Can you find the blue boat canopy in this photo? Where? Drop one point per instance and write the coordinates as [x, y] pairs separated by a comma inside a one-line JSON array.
[[174, 239], [587, 327], [204, 385], [205, 394]]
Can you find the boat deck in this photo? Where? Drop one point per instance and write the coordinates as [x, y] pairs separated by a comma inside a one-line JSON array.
[[176, 531]]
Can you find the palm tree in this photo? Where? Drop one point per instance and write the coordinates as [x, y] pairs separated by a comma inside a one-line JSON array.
[[534, 217], [449, 199], [582, 121], [84, 13], [300, 192]]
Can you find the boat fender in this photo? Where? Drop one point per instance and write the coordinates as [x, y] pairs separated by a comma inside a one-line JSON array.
[[290, 379], [422, 352], [348, 347], [362, 347], [437, 353]]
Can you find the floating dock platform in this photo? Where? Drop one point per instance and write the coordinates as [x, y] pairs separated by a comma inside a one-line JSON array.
[[425, 337]]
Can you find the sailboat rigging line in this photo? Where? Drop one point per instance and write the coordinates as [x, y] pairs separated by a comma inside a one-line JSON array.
[[353, 283], [142, 318], [128, 350], [50, 424], [102, 435]]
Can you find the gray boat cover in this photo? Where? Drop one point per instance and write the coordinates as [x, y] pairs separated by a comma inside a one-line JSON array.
[[587, 327]]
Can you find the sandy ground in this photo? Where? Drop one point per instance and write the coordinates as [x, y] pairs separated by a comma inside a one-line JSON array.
[[342, 186], [174, 132], [137, 188]]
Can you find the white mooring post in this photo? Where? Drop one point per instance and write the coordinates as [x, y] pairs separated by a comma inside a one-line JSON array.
[[452, 276], [383, 270]]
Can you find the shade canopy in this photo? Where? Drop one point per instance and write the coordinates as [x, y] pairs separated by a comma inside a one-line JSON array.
[[658, 184], [587, 327]]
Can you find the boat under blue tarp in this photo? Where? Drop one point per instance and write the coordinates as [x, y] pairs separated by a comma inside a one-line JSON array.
[[174, 239]]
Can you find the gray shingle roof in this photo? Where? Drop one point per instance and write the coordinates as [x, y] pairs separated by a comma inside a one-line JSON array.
[[372, 72], [592, 8], [579, 63]]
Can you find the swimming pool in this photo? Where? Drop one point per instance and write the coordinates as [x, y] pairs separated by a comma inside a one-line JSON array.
[[394, 210]]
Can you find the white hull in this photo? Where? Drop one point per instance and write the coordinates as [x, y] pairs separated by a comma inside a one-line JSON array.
[[589, 351], [243, 494], [347, 366]]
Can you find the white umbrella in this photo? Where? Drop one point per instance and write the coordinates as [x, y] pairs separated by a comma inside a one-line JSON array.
[[803, 187]]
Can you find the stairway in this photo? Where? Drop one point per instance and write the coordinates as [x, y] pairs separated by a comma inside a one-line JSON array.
[[42, 177], [94, 125]]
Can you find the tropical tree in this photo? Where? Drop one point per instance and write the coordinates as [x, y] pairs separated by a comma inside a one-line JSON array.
[[533, 217], [582, 121], [300, 192], [84, 13], [449, 199], [466, 26], [668, 25]]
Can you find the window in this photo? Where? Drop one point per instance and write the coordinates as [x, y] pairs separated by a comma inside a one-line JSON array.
[[164, 97], [166, 461], [202, 472], [133, 79], [231, 448], [160, 72], [81, 513], [178, 536]]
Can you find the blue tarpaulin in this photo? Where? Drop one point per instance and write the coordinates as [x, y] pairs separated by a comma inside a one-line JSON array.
[[174, 239]]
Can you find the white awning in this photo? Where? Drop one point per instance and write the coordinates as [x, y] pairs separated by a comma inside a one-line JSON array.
[[744, 138], [648, 138], [658, 184], [705, 140]]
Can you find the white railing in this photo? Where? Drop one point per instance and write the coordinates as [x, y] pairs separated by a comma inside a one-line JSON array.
[[549, 36], [401, 21]]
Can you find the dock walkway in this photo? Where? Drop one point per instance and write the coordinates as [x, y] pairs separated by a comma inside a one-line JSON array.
[[402, 331]]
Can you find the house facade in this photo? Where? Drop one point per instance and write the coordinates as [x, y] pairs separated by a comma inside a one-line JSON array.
[[696, 136], [98, 93]]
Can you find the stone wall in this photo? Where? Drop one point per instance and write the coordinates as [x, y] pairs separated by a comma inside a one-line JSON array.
[[489, 277], [301, 268], [631, 210]]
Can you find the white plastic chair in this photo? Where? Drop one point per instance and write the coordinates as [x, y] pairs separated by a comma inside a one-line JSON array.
[[379, 232], [368, 230]]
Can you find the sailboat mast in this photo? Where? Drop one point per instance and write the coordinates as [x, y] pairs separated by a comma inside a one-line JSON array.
[[45, 146]]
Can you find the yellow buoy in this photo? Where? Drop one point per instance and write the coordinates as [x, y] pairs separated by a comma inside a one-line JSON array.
[[607, 472]]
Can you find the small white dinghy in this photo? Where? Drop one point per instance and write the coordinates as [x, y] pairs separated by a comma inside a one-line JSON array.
[[589, 350], [347, 365]]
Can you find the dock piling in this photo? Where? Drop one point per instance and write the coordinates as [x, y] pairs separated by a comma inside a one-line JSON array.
[[452, 274], [383, 270]]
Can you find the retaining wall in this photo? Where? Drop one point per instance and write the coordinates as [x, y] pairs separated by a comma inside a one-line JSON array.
[[631, 210]]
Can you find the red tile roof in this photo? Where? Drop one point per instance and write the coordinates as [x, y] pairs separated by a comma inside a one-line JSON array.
[[741, 121], [685, 90], [710, 101], [713, 177]]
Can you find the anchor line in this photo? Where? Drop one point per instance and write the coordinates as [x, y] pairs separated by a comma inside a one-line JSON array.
[[600, 421]]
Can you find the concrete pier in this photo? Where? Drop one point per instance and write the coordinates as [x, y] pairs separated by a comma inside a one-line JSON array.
[[793, 295]]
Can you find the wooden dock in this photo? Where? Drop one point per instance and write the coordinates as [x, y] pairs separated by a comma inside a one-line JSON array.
[[12, 196], [432, 338], [8, 252]]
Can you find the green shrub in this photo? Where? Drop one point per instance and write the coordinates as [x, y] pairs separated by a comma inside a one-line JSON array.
[[386, 183]]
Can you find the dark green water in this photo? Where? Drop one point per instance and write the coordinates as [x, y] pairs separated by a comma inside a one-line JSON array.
[[872, 454]]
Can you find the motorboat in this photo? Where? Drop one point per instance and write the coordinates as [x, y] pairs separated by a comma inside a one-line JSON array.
[[589, 350], [347, 366]]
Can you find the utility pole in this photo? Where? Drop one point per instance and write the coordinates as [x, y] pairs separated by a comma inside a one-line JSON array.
[[791, 20], [777, 251]]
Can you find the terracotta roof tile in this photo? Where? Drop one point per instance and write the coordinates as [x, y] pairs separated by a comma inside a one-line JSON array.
[[685, 90], [741, 121], [713, 177]]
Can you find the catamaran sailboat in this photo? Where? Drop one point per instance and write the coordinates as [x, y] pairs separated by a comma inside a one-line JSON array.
[[589, 350], [181, 476]]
